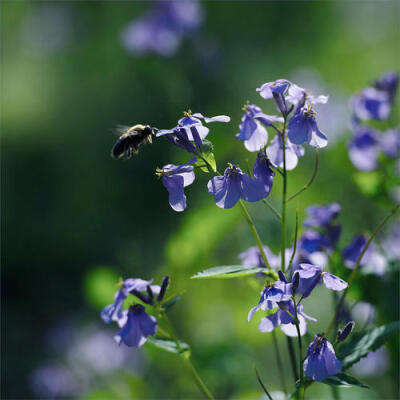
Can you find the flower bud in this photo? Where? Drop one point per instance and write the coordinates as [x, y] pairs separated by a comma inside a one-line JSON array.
[[282, 276], [163, 289], [342, 334], [150, 292], [296, 280], [146, 299]]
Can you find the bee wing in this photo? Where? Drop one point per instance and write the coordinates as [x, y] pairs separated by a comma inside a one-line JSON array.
[[121, 129]]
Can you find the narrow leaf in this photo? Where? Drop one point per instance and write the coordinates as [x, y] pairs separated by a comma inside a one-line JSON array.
[[170, 345], [343, 380], [171, 301], [228, 272], [361, 343]]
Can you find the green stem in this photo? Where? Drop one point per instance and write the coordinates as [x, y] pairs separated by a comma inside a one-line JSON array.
[[257, 239], [357, 267], [272, 208], [299, 342], [279, 362], [335, 393], [295, 242], [188, 364], [292, 357], [307, 185], [284, 191]]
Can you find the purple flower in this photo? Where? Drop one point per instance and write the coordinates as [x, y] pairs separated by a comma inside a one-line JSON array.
[[371, 103], [388, 83], [136, 326], [175, 178], [321, 360], [263, 172], [311, 275], [233, 185], [252, 257], [312, 241], [364, 149], [113, 312], [374, 364], [163, 28], [284, 318], [253, 134], [363, 313], [191, 124], [299, 97], [303, 128], [321, 216], [372, 261], [276, 90], [389, 142], [293, 153]]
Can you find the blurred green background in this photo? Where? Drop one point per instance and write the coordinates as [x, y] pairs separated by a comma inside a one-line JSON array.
[[74, 220]]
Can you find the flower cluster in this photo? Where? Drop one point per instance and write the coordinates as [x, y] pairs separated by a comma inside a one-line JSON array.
[[135, 324], [162, 29], [374, 104]]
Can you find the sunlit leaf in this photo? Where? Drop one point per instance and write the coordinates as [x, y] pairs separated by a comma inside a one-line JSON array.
[[228, 272], [170, 346]]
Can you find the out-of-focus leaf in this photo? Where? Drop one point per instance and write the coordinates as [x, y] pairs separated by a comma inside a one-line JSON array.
[[100, 285], [170, 346], [200, 232], [228, 272], [172, 301], [343, 380], [360, 344], [369, 183]]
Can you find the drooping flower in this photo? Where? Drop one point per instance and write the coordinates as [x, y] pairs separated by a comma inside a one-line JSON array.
[[371, 103], [311, 275], [321, 216], [136, 327], [372, 261], [276, 90], [254, 135], [388, 83], [262, 171], [233, 185], [321, 360], [303, 128], [113, 312], [175, 178], [364, 148], [293, 152]]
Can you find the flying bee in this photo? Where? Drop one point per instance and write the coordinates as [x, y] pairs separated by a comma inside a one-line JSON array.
[[130, 138]]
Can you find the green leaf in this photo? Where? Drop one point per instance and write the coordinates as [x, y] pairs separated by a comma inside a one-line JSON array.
[[360, 344], [171, 301], [228, 272], [170, 346], [343, 380]]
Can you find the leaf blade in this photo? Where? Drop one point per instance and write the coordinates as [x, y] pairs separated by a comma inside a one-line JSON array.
[[228, 272]]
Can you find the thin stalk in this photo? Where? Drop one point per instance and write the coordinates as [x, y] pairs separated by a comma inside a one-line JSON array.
[[295, 242], [335, 393], [188, 364], [284, 192], [279, 362], [262, 384], [357, 267], [307, 185], [257, 239], [301, 373], [272, 208], [292, 358]]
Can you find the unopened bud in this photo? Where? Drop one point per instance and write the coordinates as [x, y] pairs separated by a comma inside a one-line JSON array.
[[163, 289], [342, 334], [150, 292], [282, 276], [296, 281], [146, 299]]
